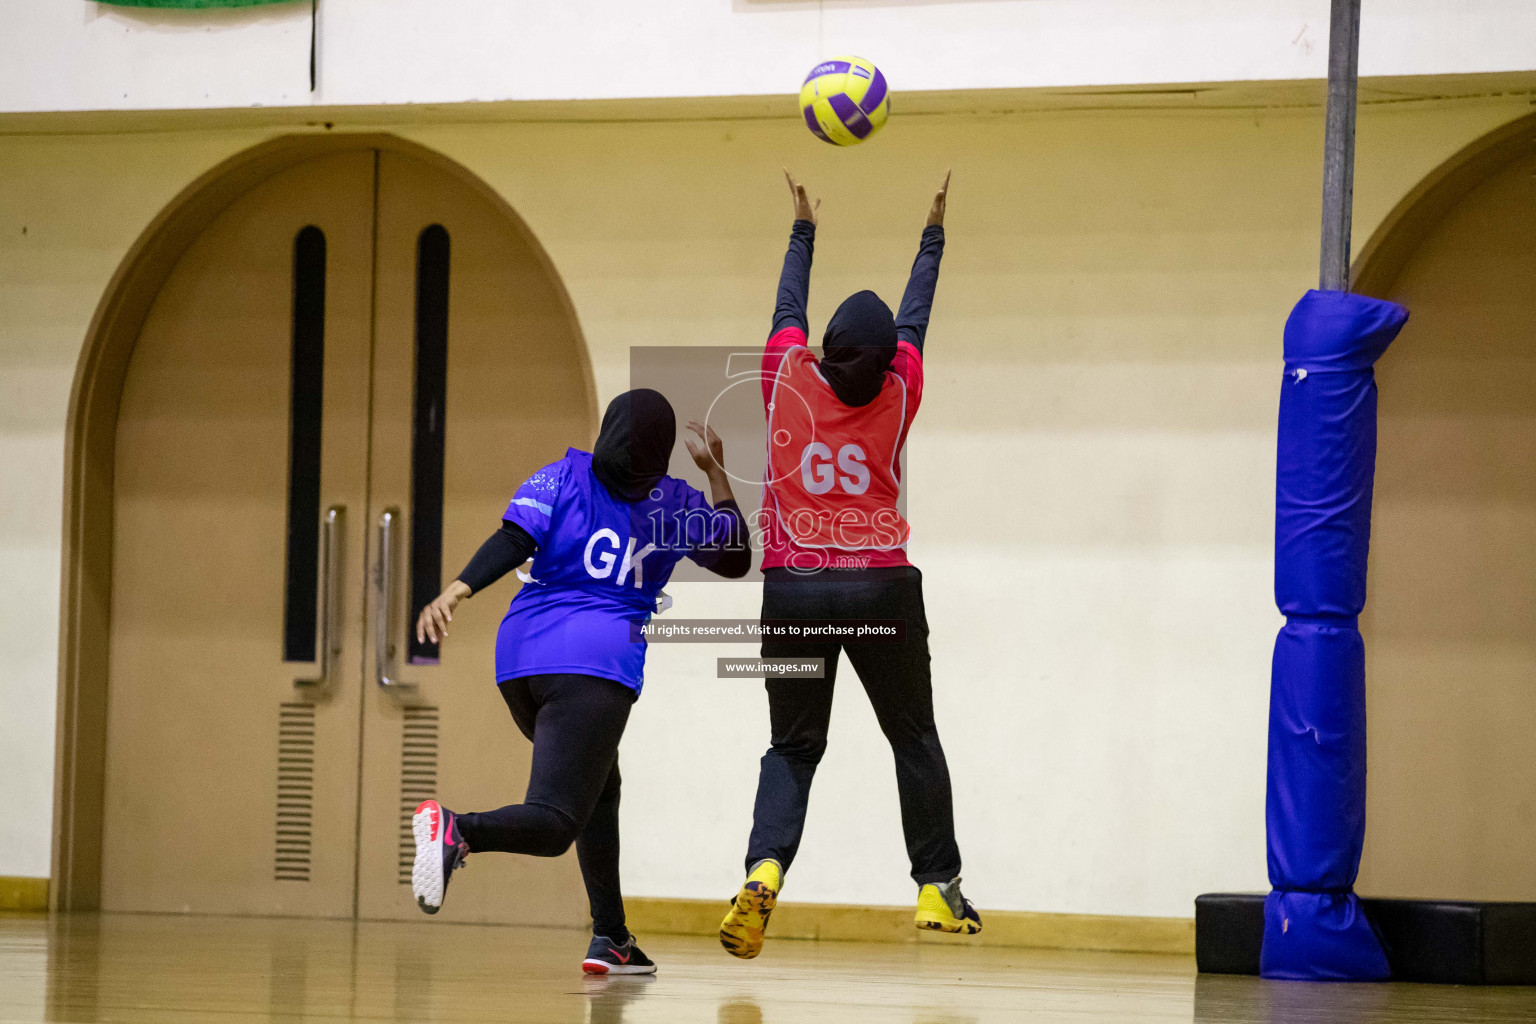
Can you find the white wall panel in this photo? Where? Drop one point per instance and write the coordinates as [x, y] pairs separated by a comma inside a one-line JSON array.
[[80, 55]]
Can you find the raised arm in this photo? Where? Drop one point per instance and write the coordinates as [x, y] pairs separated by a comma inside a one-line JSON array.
[[917, 301], [795, 278], [723, 548]]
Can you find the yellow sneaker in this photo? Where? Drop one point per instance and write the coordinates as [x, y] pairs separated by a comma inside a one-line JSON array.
[[941, 908], [741, 933]]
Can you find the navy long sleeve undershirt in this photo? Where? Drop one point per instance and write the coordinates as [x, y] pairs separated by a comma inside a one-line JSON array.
[[732, 559], [505, 550], [795, 279], [916, 301]]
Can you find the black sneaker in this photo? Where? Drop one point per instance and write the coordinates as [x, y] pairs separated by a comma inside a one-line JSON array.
[[439, 849], [603, 957]]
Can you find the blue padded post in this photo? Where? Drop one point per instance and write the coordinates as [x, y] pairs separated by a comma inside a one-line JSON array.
[[1314, 928]]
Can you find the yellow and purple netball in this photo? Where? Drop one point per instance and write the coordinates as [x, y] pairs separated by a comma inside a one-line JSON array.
[[844, 100]]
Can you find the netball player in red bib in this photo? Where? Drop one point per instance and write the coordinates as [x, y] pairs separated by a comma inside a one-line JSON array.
[[835, 549]]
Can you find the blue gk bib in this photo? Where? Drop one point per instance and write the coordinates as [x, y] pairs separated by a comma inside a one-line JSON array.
[[600, 566]]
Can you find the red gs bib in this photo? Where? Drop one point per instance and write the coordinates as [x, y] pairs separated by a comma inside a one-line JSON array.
[[833, 479]]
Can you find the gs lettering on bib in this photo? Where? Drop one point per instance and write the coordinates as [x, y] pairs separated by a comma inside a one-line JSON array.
[[833, 476]]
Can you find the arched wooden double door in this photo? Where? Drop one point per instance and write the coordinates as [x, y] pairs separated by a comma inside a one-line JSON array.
[[361, 344]]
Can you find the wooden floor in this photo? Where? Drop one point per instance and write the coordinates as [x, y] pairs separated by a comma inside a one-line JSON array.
[[167, 970]]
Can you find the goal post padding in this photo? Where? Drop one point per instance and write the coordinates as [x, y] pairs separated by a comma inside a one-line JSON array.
[[1314, 927]]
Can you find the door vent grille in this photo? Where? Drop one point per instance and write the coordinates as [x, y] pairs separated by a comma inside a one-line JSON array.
[[418, 777], [295, 791]]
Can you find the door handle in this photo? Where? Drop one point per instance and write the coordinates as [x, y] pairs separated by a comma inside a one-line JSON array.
[[331, 539], [383, 615]]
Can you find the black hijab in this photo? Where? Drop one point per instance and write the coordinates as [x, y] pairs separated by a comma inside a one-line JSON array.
[[635, 444], [858, 348]]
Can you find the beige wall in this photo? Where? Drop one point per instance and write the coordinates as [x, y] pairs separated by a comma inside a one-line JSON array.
[[1451, 625], [1091, 476]]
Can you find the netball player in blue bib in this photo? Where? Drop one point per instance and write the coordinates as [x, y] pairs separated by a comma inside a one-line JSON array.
[[605, 531]]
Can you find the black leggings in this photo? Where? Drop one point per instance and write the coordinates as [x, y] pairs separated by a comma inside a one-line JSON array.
[[896, 679], [575, 723]]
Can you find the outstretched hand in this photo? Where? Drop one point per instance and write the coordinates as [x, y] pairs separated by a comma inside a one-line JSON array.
[[936, 211], [708, 455], [804, 208], [432, 623]]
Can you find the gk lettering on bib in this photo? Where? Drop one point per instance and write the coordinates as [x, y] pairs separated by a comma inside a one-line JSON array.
[[833, 475]]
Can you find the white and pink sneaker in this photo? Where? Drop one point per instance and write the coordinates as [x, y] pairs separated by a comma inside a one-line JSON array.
[[439, 849]]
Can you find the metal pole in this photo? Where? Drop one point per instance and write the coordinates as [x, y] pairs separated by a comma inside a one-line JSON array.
[[1339, 143], [314, 21]]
